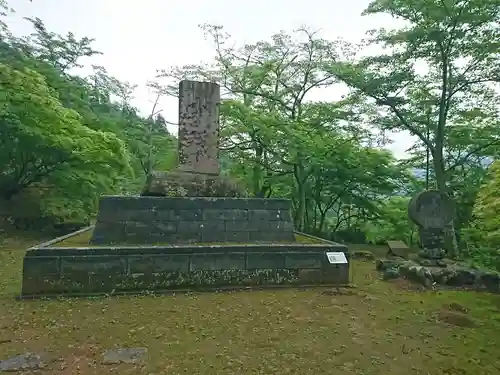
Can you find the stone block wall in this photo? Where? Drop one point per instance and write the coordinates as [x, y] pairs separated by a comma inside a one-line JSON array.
[[56, 271], [168, 220]]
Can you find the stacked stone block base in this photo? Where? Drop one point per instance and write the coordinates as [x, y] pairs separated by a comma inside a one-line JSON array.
[[103, 270], [167, 220]]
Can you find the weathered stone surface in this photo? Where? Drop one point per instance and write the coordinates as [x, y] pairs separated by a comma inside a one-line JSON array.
[[431, 238], [199, 127], [383, 264], [302, 260], [398, 248], [390, 273], [197, 174], [22, 362], [191, 205], [129, 269], [124, 355], [431, 262], [491, 280], [454, 275], [187, 184], [224, 261], [432, 253], [265, 260], [170, 263], [431, 209], [150, 220]]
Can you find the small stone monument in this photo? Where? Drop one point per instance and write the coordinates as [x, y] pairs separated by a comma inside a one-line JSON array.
[[432, 211]]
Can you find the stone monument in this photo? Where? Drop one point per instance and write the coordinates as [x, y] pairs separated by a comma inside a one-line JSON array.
[[197, 174], [199, 127], [182, 220], [432, 211], [190, 228]]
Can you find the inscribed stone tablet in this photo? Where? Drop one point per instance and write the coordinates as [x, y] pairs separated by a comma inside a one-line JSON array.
[[431, 209]]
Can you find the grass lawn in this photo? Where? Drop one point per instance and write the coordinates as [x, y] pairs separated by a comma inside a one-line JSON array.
[[374, 328]]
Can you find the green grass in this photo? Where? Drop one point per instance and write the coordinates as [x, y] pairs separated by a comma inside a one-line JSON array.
[[83, 239], [379, 328]]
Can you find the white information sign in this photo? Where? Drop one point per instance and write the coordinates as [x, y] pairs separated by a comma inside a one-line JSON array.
[[336, 258]]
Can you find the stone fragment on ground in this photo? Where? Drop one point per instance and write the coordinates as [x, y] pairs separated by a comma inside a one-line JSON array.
[[453, 275], [22, 362], [124, 355], [398, 249]]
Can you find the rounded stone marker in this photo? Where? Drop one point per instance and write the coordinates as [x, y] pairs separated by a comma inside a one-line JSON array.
[[431, 209]]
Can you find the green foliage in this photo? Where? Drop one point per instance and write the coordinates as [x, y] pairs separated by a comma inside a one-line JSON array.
[[279, 143], [42, 141], [393, 223], [64, 141], [483, 236], [435, 79], [79, 137]]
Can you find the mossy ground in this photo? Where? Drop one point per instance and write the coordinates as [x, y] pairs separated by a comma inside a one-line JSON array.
[[374, 328], [83, 239]]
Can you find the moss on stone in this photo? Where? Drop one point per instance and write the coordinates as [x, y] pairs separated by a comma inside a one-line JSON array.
[[184, 184], [83, 240]]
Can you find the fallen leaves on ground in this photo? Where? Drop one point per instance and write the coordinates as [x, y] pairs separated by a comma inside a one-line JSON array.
[[374, 328]]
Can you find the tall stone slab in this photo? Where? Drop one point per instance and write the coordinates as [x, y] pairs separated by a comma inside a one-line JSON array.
[[197, 173], [199, 127]]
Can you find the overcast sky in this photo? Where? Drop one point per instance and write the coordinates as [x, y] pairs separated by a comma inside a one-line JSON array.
[[139, 37]]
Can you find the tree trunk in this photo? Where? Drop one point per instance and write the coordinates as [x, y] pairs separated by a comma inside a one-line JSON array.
[[257, 172], [322, 218], [298, 170], [449, 230]]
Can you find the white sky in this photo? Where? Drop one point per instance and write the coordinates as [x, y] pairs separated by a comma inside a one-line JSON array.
[[139, 37]]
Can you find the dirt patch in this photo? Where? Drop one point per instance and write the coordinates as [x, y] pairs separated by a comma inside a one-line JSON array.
[[455, 319], [338, 292], [458, 307], [405, 284]]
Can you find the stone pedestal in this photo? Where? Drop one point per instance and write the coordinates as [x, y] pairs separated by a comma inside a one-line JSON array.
[[431, 257], [165, 220], [431, 238], [187, 184]]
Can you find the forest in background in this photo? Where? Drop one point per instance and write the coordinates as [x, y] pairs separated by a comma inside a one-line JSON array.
[[67, 139]]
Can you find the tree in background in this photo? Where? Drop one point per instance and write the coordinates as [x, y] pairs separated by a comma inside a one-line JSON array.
[[280, 143], [484, 234], [82, 137], [434, 78], [67, 139]]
